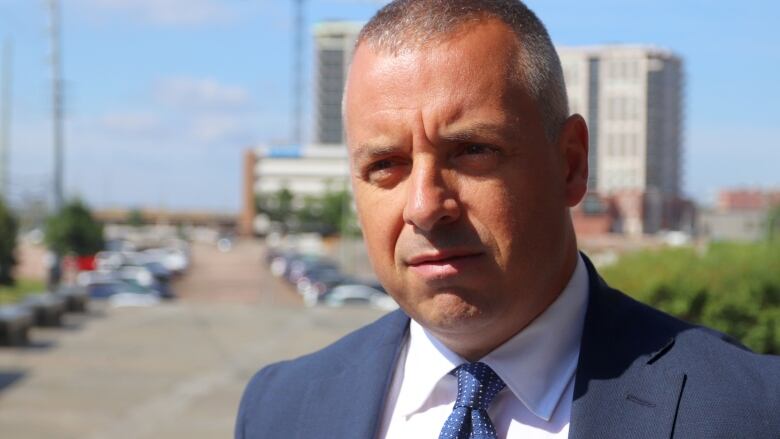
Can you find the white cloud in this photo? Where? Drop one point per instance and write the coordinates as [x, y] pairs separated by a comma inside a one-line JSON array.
[[130, 122], [166, 12], [180, 113], [217, 128], [194, 93]]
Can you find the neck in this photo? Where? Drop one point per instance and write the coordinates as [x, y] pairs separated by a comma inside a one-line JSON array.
[[476, 343]]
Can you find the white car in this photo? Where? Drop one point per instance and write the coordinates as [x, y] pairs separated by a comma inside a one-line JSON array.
[[359, 294]]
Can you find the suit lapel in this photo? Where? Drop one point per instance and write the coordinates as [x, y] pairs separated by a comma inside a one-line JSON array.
[[355, 393], [620, 391]]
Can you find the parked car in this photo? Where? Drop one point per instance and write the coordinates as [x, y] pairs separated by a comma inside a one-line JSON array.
[[358, 294], [75, 297], [108, 260], [133, 299], [280, 263], [147, 276], [317, 273], [127, 293], [313, 286], [175, 260], [47, 308], [15, 323], [301, 265]]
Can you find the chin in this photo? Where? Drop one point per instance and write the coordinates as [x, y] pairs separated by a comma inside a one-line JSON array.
[[450, 312]]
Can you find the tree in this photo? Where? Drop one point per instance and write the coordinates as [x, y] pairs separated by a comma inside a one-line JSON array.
[[773, 224], [74, 230], [8, 231], [135, 218], [327, 214], [732, 287], [278, 206]]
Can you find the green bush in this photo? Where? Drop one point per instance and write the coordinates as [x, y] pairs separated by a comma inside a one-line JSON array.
[[734, 288], [20, 289], [74, 230], [9, 227]]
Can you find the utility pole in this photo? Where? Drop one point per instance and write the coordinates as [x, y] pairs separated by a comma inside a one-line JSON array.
[[57, 106], [5, 119], [55, 270], [297, 91]]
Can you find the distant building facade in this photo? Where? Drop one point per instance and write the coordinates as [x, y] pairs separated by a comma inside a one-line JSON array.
[[631, 97], [738, 215], [305, 172], [334, 44], [747, 199], [310, 171]]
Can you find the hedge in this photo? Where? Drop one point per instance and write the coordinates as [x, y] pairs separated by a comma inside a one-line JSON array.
[[734, 288]]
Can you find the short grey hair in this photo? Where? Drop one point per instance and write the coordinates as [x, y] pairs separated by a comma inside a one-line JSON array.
[[404, 24]]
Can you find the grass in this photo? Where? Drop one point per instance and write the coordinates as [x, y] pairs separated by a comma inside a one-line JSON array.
[[23, 287]]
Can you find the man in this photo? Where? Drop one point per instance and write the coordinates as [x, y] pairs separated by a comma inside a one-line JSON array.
[[464, 165]]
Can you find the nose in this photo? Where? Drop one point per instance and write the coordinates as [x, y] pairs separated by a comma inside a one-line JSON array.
[[430, 200]]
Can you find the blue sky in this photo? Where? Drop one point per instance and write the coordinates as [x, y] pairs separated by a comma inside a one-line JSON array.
[[162, 96]]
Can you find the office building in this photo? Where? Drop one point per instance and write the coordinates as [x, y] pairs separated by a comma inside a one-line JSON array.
[[334, 44], [631, 97]]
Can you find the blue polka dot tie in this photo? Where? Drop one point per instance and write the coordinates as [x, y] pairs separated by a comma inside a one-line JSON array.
[[477, 386]]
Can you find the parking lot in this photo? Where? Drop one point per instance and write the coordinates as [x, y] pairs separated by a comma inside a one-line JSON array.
[[170, 371]]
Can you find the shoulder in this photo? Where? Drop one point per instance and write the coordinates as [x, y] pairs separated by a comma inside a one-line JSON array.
[[278, 387], [699, 348], [340, 353], [727, 383], [628, 323], [723, 378]]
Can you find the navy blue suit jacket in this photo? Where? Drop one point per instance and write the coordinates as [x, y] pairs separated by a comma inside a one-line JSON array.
[[641, 374]]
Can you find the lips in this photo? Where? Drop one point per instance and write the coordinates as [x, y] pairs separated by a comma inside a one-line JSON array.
[[441, 257], [444, 266]]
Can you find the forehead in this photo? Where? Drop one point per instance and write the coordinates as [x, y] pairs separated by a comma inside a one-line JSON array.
[[470, 70]]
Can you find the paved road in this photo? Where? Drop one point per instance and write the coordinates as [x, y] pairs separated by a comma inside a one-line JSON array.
[[173, 371]]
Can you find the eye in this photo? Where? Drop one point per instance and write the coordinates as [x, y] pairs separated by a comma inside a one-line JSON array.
[[477, 158], [384, 172], [477, 148], [380, 165]]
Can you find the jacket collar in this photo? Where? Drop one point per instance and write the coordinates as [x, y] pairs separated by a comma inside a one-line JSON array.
[[353, 393]]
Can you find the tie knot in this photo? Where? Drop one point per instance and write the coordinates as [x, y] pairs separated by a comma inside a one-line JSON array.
[[477, 385]]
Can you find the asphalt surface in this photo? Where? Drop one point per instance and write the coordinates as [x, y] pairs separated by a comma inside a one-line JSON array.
[[171, 371]]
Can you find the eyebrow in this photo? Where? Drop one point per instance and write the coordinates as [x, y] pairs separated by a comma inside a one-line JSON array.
[[471, 131], [372, 150], [368, 151]]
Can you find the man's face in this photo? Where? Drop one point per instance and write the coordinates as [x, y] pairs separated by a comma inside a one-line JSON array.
[[462, 200]]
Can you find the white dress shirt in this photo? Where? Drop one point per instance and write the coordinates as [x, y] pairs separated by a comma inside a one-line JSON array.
[[537, 365]]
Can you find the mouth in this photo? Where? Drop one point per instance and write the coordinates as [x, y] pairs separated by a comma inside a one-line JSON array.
[[440, 258], [441, 264]]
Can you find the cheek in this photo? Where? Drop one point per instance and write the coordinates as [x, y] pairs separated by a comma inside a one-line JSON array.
[[511, 216], [380, 220]]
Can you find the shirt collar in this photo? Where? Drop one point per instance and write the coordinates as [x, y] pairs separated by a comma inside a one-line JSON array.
[[536, 364], [427, 362]]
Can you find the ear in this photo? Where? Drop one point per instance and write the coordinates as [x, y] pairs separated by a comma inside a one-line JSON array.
[[573, 144]]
